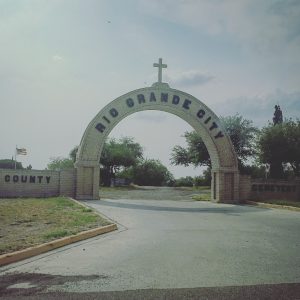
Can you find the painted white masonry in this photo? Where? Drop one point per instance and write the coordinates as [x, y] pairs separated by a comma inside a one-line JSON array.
[[225, 183]]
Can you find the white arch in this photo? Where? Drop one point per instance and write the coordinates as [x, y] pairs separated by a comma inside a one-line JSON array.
[[158, 97]]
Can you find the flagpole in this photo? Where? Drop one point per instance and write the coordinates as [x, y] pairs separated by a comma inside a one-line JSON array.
[[16, 157]]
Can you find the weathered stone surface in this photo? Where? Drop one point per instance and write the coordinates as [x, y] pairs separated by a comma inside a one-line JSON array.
[[225, 183], [37, 183]]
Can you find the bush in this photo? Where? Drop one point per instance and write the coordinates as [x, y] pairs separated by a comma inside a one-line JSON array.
[[201, 181], [205, 179], [151, 172], [184, 181], [9, 164]]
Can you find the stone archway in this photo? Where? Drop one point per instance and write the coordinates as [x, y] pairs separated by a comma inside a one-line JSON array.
[[225, 176]]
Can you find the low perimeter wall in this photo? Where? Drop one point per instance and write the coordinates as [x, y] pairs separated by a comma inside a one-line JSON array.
[[261, 189], [37, 183], [43, 183]]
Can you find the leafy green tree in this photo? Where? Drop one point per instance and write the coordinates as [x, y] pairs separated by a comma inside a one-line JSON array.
[[117, 155], [195, 154], [10, 164], [63, 163], [60, 163], [243, 136], [241, 132], [292, 133], [205, 179], [184, 181], [73, 153], [255, 170], [151, 172], [280, 145]]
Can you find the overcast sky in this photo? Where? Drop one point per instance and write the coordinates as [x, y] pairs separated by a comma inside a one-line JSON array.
[[62, 61]]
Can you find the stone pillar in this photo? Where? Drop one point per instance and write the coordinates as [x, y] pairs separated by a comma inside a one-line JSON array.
[[225, 185], [87, 182], [67, 182], [245, 188]]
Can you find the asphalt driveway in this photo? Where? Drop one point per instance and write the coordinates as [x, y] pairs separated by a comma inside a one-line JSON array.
[[162, 245]]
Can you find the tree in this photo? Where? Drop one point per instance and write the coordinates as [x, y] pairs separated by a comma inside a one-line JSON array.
[[280, 145], [117, 155], [292, 132], [195, 154], [204, 179], [10, 164], [184, 181], [151, 172], [73, 153], [241, 132], [60, 163]]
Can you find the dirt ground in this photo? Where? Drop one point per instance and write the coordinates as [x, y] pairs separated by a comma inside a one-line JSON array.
[[152, 193]]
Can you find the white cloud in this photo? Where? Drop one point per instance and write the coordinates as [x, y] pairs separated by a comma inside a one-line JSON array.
[[57, 58], [260, 109], [269, 28], [188, 78]]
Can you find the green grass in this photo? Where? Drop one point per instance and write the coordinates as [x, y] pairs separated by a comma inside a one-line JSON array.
[[193, 188], [281, 202], [202, 197], [204, 193], [201, 188], [31, 221], [55, 234]]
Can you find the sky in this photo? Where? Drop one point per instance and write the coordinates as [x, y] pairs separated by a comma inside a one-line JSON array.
[[62, 61]]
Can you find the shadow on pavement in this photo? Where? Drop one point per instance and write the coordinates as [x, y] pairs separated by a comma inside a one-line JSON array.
[[231, 209], [36, 286]]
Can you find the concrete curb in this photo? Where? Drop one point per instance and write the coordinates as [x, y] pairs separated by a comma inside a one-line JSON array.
[[269, 205], [39, 249]]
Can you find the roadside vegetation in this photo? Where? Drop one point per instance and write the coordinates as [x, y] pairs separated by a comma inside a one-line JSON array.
[[271, 152], [242, 134], [277, 146], [203, 193], [280, 202], [31, 221]]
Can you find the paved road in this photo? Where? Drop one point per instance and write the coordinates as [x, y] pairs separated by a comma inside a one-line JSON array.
[[214, 250]]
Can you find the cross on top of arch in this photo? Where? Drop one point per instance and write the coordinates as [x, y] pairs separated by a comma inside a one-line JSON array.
[[160, 66]]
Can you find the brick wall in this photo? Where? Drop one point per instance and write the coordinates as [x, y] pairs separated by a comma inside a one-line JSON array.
[[36, 183], [245, 187], [67, 183], [275, 189], [261, 189]]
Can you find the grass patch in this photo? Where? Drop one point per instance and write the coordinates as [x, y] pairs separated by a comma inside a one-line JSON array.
[[202, 188], [204, 194], [31, 221], [281, 202], [202, 197], [59, 233], [192, 188]]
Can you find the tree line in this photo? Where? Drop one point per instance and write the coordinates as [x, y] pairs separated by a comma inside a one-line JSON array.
[[123, 158], [275, 147]]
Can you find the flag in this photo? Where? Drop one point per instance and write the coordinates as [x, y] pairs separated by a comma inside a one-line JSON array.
[[21, 151]]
